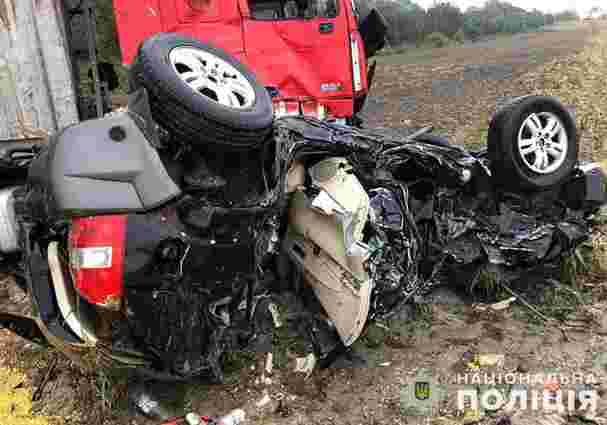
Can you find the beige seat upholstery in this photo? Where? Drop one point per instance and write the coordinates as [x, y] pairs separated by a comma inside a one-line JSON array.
[[329, 237]]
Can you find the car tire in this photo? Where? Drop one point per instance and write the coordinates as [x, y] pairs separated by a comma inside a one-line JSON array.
[[532, 144], [200, 93]]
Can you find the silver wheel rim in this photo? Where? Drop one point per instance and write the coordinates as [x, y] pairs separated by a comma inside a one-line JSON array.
[[543, 142], [212, 77]]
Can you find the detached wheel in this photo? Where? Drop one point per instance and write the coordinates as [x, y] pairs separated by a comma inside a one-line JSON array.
[[532, 144], [201, 93]]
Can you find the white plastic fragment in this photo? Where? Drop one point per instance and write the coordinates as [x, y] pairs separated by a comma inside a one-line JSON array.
[[466, 175], [264, 400], [306, 364], [269, 363], [275, 315], [502, 305], [235, 417], [193, 419]]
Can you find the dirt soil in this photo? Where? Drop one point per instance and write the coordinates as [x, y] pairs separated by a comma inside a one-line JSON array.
[[455, 90]]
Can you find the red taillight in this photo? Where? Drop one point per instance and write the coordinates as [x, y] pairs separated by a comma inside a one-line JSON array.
[[97, 258]]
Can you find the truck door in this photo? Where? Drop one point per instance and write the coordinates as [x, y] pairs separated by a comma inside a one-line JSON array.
[[214, 21], [136, 20], [299, 47], [217, 22]]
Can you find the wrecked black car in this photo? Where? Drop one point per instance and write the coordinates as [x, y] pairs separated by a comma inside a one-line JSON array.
[[141, 249]]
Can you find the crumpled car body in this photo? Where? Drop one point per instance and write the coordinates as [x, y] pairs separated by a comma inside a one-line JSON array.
[[351, 224], [435, 216]]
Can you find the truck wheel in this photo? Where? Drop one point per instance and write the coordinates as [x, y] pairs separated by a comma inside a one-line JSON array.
[[532, 144], [201, 93]]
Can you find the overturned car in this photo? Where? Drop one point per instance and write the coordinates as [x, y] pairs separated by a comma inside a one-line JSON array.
[[142, 247]]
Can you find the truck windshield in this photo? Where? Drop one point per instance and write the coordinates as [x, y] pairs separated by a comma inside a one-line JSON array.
[[292, 9]]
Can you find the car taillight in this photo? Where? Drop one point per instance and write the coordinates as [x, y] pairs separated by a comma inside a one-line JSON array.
[[96, 250], [356, 71]]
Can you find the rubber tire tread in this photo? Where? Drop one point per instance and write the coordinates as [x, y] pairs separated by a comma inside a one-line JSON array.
[[506, 170], [197, 128]]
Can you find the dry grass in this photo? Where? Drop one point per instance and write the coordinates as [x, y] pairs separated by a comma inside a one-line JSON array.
[[16, 400], [580, 80]]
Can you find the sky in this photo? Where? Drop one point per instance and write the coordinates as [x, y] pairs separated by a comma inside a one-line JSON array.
[[582, 6]]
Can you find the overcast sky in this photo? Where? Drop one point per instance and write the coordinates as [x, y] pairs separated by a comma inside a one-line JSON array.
[[582, 6]]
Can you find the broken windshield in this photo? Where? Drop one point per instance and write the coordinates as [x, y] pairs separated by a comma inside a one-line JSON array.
[[292, 9]]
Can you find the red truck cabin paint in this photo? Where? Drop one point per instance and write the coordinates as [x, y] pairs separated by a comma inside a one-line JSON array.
[[307, 55]]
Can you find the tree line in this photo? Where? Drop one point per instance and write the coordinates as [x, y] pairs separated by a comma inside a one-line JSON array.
[[443, 22]]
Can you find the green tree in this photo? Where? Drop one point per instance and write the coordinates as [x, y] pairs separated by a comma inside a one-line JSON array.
[[567, 15], [472, 26], [443, 18]]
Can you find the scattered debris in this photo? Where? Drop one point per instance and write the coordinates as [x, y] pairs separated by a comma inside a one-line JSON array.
[[269, 363], [49, 372], [486, 360], [16, 401], [502, 305], [446, 420], [472, 416], [235, 417], [526, 304], [264, 400], [275, 315], [193, 419], [305, 365], [491, 360]]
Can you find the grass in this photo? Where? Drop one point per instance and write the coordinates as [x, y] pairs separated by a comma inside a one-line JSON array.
[[194, 393], [561, 300], [457, 311], [284, 344], [536, 55], [475, 136], [110, 389], [372, 342], [406, 55], [400, 55], [419, 324], [489, 287], [578, 263]]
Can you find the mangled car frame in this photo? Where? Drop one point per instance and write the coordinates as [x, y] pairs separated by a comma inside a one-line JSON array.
[[158, 247]]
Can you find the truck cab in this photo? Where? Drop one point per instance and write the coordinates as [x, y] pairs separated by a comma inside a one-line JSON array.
[[309, 54]]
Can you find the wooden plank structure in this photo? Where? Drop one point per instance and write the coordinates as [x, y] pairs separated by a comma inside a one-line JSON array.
[[37, 93]]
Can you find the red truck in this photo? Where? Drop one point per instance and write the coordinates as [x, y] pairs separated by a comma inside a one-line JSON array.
[[311, 55]]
